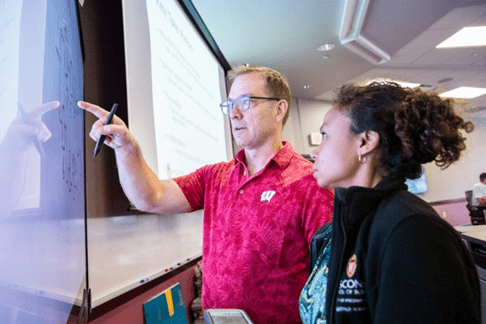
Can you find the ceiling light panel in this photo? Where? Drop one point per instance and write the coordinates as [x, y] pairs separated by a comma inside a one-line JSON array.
[[464, 93], [466, 37]]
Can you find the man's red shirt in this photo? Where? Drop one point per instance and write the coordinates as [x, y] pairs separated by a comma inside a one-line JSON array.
[[257, 232]]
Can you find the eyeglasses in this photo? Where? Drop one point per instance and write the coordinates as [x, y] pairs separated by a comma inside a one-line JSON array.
[[242, 103]]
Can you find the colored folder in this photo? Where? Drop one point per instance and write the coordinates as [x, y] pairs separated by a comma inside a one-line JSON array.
[[167, 307]]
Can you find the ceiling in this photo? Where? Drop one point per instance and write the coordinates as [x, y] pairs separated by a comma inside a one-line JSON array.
[[285, 35]]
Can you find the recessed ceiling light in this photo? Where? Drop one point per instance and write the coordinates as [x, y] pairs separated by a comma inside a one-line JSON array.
[[307, 86], [326, 47], [468, 36], [464, 93]]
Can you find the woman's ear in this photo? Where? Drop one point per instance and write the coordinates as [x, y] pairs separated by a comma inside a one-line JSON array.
[[369, 142]]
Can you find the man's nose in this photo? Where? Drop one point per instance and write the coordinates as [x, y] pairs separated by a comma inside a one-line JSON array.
[[235, 112]]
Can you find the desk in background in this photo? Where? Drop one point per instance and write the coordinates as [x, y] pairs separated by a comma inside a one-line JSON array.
[[475, 239]]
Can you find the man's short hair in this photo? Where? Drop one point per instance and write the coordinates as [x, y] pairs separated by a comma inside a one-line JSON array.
[[482, 176], [277, 84]]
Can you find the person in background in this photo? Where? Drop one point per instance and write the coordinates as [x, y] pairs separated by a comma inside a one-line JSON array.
[[387, 257], [479, 191], [260, 209]]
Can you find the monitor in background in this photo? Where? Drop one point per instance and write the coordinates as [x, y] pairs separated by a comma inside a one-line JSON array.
[[175, 85], [417, 186], [42, 201]]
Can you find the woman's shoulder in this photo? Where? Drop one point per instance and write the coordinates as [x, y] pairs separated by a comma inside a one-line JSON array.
[[407, 216], [403, 204]]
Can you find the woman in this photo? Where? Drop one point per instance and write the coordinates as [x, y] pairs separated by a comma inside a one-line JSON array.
[[389, 257]]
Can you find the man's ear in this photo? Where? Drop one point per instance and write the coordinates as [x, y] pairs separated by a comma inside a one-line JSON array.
[[282, 108], [369, 142]]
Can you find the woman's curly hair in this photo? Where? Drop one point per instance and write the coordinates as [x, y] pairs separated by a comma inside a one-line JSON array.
[[415, 126]]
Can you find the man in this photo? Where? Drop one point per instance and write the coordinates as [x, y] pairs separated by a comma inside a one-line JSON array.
[[260, 209], [479, 191]]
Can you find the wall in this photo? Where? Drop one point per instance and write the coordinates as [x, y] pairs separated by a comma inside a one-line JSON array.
[[454, 212], [306, 117], [454, 181]]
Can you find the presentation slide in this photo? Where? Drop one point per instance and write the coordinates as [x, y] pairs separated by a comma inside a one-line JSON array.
[[42, 200], [179, 126]]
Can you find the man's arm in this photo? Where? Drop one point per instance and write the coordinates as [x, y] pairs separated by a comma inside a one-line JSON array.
[[139, 182], [478, 195], [481, 200]]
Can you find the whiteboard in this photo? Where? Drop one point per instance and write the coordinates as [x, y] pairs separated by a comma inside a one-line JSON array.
[[42, 214], [126, 252]]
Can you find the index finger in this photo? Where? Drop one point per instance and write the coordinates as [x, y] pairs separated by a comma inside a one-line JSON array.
[[94, 109]]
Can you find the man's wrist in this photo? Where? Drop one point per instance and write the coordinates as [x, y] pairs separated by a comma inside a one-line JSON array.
[[129, 149]]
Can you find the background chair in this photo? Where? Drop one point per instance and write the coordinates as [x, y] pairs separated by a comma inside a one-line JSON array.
[[475, 212]]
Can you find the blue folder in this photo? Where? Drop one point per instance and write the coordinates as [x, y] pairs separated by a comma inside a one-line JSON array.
[[167, 307]]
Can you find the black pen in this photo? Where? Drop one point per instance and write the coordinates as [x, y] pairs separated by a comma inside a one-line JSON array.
[[102, 137], [35, 140]]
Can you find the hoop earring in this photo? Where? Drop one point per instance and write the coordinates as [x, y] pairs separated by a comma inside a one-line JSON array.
[[361, 159]]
